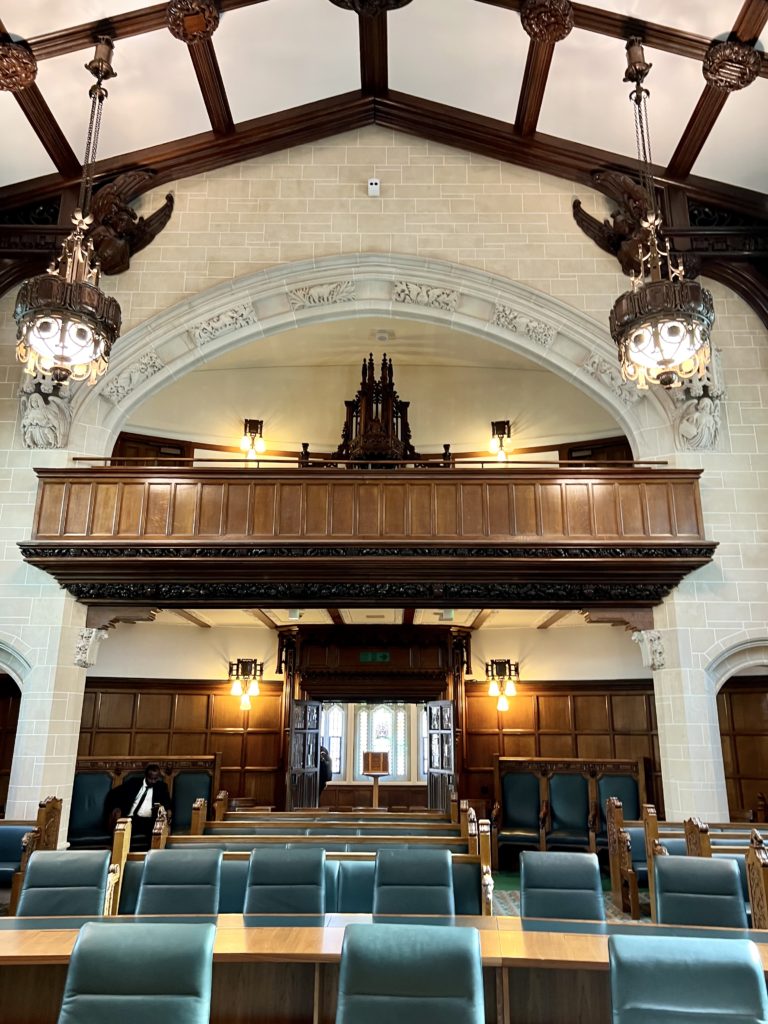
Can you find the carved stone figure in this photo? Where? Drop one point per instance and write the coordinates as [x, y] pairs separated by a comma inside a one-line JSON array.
[[118, 232], [45, 415], [698, 425], [621, 239]]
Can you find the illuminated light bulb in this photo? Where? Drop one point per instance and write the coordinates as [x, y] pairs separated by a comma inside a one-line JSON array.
[[245, 442], [502, 704], [501, 455], [245, 703], [494, 445], [509, 689], [251, 454], [260, 445], [253, 688], [493, 689], [237, 688]]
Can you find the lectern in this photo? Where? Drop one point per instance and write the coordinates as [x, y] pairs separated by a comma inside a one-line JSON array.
[[375, 764]]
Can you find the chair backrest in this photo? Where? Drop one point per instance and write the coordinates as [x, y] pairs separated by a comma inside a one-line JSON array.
[[10, 843], [286, 881], [64, 883], [561, 885], [521, 801], [154, 973], [690, 981], [411, 974], [699, 891], [187, 787], [569, 801], [413, 882], [89, 791], [626, 789], [180, 882]]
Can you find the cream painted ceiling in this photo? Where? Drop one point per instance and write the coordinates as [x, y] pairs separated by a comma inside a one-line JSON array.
[[297, 382], [502, 618], [278, 54]]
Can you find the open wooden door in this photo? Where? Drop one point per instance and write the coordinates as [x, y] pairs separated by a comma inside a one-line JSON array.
[[441, 753], [303, 789]]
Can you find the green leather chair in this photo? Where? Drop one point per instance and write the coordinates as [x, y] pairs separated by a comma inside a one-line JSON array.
[[64, 883], [569, 811], [699, 891], [520, 810], [180, 882], [566, 886], [688, 981], [187, 787], [155, 973], [625, 788], [411, 974], [87, 821], [284, 881], [10, 851], [413, 882]]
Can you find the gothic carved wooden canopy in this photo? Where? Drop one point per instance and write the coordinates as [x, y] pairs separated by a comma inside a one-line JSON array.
[[376, 425]]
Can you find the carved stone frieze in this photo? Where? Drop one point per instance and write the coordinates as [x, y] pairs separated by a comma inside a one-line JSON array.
[[239, 316], [697, 426], [46, 415], [425, 295], [368, 8], [731, 65], [539, 332], [651, 648], [547, 21], [119, 387], [192, 21], [607, 373], [18, 67], [325, 294], [87, 646]]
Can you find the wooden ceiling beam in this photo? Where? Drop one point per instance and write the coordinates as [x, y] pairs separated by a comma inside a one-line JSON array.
[[409, 615], [482, 617], [261, 617], [212, 86], [749, 23], [374, 61], [336, 617], [537, 65], [552, 619], [193, 617], [620, 26]]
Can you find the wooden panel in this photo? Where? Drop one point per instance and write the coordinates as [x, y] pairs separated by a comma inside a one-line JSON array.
[[553, 745], [154, 711], [591, 715], [318, 505], [659, 509], [76, 518], [238, 506], [116, 711], [635, 746], [686, 518], [578, 515], [51, 507], [499, 510], [420, 502], [191, 712], [554, 712], [729, 759], [151, 744], [130, 522], [604, 497], [290, 510], [519, 746], [231, 747], [226, 713], [211, 507], [111, 743], [526, 520], [522, 712], [631, 507], [629, 713], [342, 509], [480, 750], [184, 507], [368, 522], [89, 708], [594, 746], [749, 711], [446, 510], [105, 497], [551, 498], [395, 498], [158, 505], [265, 712], [262, 749], [482, 713], [188, 742], [472, 510]]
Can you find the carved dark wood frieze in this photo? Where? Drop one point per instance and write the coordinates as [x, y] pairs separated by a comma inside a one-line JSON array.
[[731, 65], [674, 551], [192, 21], [40, 212], [368, 8], [18, 67], [559, 593], [118, 232], [547, 21], [539, 766], [20, 240]]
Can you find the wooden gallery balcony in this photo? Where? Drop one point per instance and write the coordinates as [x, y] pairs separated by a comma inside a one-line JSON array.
[[443, 536]]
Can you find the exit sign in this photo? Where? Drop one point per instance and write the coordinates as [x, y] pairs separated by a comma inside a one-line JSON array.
[[378, 657]]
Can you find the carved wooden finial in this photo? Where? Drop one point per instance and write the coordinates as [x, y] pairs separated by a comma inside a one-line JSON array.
[[18, 67]]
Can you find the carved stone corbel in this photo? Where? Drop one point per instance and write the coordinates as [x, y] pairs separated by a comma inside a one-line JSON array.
[[651, 648], [87, 646]]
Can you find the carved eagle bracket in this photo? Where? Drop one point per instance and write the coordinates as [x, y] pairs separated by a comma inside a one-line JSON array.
[[118, 232]]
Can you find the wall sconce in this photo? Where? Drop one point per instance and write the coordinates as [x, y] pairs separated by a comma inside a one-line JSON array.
[[244, 675], [500, 431], [252, 443], [501, 675]]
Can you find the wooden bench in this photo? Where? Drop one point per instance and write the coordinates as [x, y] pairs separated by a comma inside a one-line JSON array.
[[222, 811]]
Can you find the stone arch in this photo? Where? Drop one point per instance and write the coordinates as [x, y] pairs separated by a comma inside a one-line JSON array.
[[528, 322], [746, 649], [12, 661]]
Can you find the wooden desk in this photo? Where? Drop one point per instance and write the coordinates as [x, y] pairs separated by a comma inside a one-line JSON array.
[[271, 973]]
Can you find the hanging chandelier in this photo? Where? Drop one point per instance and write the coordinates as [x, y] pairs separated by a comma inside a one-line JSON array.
[[66, 324], [244, 675], [502, 674], [661, 326]]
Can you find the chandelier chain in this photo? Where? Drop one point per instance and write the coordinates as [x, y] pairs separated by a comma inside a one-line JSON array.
[[98, 94], [643, 141]]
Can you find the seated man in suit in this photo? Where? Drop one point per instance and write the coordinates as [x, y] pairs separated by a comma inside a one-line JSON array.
[[138, 799]]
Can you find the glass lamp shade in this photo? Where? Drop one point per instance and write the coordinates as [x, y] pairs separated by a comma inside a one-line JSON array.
[[661, 329], [66, 324], [253, 688], [245, 703], [260, 445], [493, 689], [245, 443], [237, 688], [494, 445], [502, 704], [510, 690], [501, 455]]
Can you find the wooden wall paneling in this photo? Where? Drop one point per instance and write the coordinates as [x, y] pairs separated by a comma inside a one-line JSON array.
[[10, 700]]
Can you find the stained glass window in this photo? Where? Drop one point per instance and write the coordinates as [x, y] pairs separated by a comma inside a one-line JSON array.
[[383, 727], [333, 732]]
